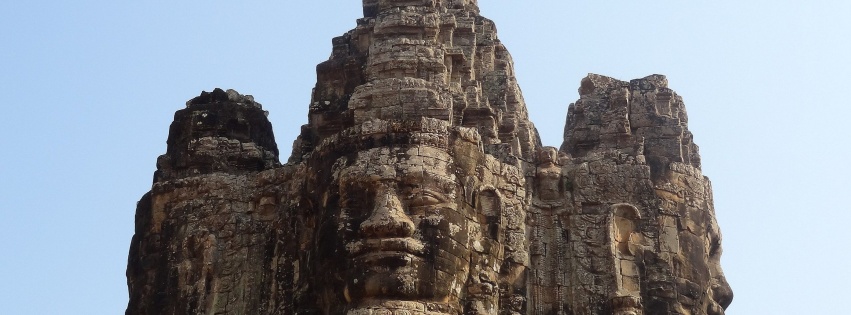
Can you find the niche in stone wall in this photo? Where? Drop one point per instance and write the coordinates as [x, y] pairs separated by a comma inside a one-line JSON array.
[[624, 233]]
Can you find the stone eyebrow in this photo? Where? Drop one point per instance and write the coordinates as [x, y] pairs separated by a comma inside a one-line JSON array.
[[430, 180]]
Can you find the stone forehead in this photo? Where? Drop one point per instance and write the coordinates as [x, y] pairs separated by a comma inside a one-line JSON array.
[[405, 154], [431, 132], [397, 161]]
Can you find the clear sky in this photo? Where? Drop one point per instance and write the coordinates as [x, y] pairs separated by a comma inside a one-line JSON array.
[[90, 87]]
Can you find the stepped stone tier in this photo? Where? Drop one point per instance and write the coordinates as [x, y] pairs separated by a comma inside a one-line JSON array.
[[419, 186]]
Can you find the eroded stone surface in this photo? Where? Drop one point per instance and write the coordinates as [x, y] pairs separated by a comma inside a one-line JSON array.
[[419, 186]]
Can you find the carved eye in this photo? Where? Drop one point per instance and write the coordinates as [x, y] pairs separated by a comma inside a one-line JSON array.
[[419, 197], [714, 246], [352, 203], [424, 199]]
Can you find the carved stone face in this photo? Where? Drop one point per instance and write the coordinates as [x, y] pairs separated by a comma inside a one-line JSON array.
[[719, 292], [703, 289], [402, 225]]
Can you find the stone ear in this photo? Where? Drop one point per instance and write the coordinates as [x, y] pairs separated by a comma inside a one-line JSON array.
[[623, 228], [470, 191], [489, 209]]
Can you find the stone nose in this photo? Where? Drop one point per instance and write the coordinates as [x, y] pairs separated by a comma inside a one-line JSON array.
[[388, 218], [722, 293]]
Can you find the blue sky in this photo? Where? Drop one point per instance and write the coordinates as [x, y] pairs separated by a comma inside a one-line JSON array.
[[90, 88]]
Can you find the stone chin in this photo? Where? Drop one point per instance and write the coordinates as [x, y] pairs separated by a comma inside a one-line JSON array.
[[714, 309], [722, 296]]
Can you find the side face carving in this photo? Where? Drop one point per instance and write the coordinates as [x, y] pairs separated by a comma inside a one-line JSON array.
[[701, 285], [691, 245], [720, 294], [630, 144], [402, 226]]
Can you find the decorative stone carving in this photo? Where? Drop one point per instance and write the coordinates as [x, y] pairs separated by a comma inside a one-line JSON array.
[[550, 185], [419, 186]]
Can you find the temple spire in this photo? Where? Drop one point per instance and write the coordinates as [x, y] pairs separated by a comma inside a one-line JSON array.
[[372, 7], [416, 59]]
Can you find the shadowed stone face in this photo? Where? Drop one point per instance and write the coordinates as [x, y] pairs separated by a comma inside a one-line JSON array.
[[402, 226]]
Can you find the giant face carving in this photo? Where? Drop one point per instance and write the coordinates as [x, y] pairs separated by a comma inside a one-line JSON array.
[[413, 220], [702, 287], [402, 225], [699, 282]]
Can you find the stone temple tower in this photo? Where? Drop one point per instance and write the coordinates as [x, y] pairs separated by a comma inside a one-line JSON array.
[[419, 186]]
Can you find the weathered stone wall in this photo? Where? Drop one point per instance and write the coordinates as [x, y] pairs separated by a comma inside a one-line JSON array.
[[419, 186], [209, 233], [410, 59]]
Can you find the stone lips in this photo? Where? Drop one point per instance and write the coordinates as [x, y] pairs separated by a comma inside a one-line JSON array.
[[419, 186]]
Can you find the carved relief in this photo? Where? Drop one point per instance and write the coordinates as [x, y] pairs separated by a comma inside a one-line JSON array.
[[550, 186]]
